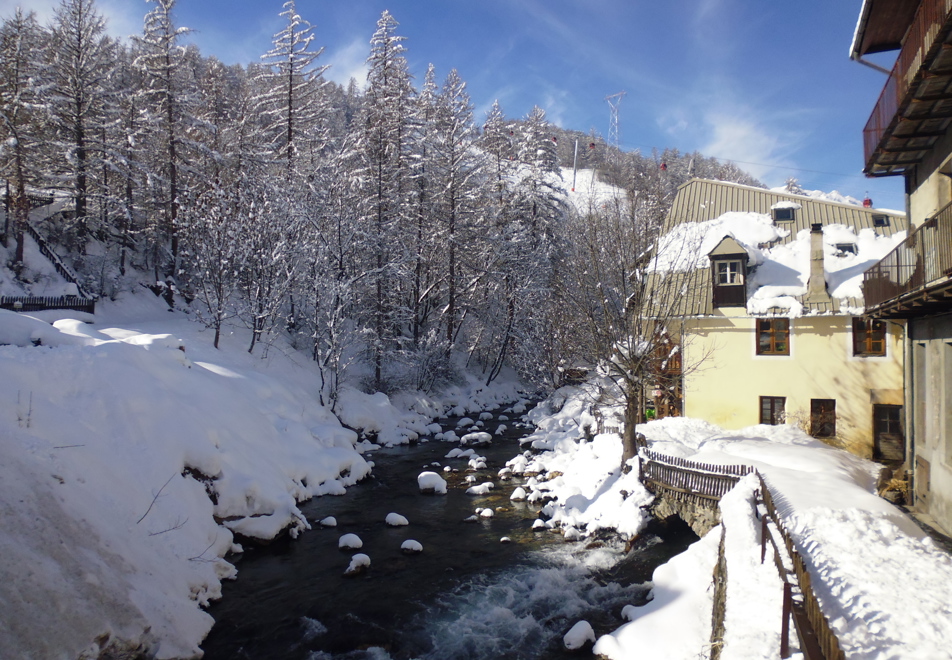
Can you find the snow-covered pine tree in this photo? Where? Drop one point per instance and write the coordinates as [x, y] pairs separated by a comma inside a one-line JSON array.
[[214, 253], [423, 295], [80, 62], [383, 144], [22, 117], [292, 91], [457, 171], [169, 97]]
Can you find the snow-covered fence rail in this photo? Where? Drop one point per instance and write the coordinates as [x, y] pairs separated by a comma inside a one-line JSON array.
[[691, 478], [38, 303], [65, 271], [817, 639]]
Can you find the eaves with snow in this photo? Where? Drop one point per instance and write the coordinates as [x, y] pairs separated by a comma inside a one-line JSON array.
[[773, 230]]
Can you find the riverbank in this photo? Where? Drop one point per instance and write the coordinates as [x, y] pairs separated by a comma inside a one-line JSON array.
[[133, 454], [468, 595]]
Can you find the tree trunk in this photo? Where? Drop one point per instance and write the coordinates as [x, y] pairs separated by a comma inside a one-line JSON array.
[[632, 417]]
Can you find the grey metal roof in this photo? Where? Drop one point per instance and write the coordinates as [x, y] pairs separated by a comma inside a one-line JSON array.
[[702, 199]]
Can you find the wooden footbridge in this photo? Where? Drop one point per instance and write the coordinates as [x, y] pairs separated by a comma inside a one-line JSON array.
[[701, 485]]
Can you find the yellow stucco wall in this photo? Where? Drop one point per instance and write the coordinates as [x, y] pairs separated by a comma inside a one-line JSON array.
[[725, 378], [932, 195]]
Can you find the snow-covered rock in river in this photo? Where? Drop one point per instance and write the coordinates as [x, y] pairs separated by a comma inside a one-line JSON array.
[[485, 513], [571, 534], [329, 521], [431, 483], [359, 563], [350, 542], [479, 439], [485, 415], [396, 520], [538, 525], [580, 635], [518, 494], [411, 547], [477, 463], [481, 489], [465, 421], [456, 452]]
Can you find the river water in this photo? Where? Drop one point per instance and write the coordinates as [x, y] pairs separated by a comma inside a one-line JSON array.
[[468, 595]]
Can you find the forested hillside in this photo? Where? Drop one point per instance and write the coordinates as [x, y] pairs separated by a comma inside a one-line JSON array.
[[383, 224]]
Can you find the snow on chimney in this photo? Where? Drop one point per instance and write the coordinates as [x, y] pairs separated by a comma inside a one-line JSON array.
[[816, 285]]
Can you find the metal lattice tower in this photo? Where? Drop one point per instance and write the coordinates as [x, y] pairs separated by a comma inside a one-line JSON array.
[[614, 100]]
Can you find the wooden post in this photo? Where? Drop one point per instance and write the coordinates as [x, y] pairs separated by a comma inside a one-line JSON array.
[[785, 624]]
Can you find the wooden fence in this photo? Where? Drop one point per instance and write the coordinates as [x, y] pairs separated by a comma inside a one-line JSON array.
[[680, 475], [685, 478], [817, 639], [39, 303]]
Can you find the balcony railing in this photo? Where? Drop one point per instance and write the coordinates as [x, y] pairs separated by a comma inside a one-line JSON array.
[[920, 39], [920, 263]]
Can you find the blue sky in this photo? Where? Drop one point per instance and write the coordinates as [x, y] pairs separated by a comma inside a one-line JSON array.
[[768, 85]]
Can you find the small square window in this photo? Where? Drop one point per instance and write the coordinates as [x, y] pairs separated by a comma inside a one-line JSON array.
[[869, 337], [773, 336], [784, 214], [880, 220], [846, 248], [772, 410]]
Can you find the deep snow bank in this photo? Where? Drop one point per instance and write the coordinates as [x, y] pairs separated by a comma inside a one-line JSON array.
[[114, 436]]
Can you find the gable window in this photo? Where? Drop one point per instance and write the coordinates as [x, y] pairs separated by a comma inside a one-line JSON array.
[[869, 337], [784, 214], [880, 220], [772, 410], [823, 418], [773, 336]]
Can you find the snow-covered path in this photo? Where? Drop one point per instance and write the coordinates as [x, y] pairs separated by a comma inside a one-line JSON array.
[[883, 584]]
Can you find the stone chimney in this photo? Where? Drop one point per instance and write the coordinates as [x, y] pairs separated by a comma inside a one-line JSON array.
[[816, 285]]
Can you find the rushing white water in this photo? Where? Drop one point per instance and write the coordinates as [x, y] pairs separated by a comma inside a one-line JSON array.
[[519, 613]]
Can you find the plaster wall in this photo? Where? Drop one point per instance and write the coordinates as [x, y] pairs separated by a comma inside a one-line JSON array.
[[932, 195], [725, 378]]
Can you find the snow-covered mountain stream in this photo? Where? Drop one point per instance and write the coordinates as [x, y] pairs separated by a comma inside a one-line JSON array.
[[467, 595]]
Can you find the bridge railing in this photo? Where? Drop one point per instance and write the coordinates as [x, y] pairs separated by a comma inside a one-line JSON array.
[[817, 639], [709, 482], [702, 480]]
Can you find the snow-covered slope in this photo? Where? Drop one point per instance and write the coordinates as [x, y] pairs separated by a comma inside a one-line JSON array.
[[132, 453]]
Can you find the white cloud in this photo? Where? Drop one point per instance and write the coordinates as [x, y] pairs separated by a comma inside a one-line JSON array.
[[348, 62], [123, 18]]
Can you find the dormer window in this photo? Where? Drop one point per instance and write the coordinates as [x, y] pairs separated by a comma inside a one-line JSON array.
[[730, 276], [880, 220], [842, 249], [784, 214], [729, 271]]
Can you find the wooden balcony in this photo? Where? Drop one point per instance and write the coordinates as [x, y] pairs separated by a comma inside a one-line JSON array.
[[915, 279], [915, 107]]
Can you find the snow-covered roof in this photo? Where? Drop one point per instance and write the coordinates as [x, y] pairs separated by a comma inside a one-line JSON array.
[[705, 212]]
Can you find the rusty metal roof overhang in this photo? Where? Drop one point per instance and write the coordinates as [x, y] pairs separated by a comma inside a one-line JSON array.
[[882, 25]]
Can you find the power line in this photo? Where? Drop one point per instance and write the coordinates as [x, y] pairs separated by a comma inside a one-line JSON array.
[[773, 165]]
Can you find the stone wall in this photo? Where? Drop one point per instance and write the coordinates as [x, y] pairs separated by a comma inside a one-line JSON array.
[[700, 514]]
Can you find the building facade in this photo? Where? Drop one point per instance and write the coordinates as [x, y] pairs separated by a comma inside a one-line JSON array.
[[771, 327], [909, 134]]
